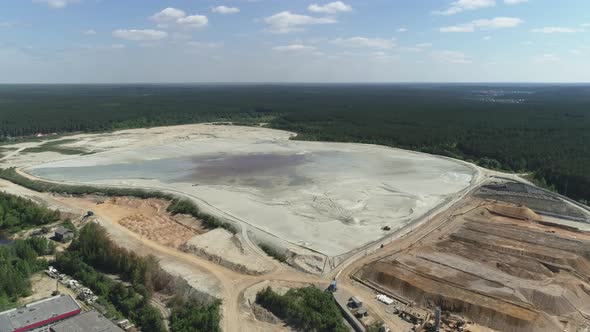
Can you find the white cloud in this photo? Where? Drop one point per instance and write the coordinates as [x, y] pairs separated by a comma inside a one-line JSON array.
[[378, 43], [168, 15], [585, 25], [575, 52], [140, 35], [452, 57], [487, 38], [56, 3], [494, 23], [498, 22], [402, 30], [557, 30], [416, 48], [330, 8], [193, 21], [285, 22], [464, 5], [225, 10], [458, 28], [514, 2], [173, 17], [89, 32], [293, 48]]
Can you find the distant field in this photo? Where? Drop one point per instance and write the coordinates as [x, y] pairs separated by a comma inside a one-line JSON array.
[[540, 128], [55, 146]]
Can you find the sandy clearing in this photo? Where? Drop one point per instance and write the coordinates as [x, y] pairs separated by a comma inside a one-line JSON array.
[[149, 219]]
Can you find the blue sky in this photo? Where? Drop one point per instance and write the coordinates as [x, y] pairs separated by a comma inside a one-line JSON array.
[[115, 41]]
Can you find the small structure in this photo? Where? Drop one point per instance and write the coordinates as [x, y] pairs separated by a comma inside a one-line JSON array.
[[415, 315], [437, 313], [63, 234], [355, 302], [125, 324], [362, 312], [333, 286], [384, 298], [88, 321], [38, 314]]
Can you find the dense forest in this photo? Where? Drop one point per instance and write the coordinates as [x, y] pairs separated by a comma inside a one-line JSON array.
[[18, 213], [192, 316], [542, 129], [18, 261], [306, 309]]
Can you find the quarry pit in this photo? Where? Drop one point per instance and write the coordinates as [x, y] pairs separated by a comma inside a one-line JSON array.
[[498, 264]]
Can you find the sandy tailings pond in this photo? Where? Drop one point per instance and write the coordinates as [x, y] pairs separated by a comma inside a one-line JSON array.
[[330, 197]]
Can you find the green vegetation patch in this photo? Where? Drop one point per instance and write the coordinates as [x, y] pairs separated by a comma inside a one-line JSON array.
[[193, 316], [17, 213], [56, 146], [19, 259], [272, 252], [184, 206], [306, 309]]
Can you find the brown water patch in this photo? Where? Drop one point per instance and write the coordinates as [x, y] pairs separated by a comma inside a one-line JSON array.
[[262, 170]]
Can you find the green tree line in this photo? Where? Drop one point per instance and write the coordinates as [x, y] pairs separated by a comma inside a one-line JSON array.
[[18, 213]]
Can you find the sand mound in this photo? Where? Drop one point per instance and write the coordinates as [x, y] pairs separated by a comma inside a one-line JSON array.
[[226, 249], [517, 212]]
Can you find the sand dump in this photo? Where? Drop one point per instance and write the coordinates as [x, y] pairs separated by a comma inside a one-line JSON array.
[[226, 249], [517, 212]]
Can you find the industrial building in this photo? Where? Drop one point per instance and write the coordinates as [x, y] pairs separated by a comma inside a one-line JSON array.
[[38, 314], [90, 321]]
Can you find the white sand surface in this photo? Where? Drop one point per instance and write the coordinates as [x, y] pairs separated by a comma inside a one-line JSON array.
[[330, 197]]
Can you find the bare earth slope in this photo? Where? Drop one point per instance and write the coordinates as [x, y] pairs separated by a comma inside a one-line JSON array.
[[498, 267]]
